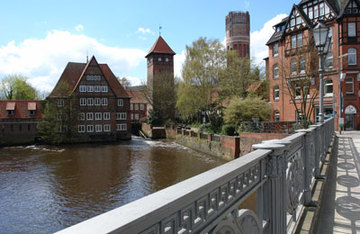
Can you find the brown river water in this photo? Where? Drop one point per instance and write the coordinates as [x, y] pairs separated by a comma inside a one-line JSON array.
[[44, 189]]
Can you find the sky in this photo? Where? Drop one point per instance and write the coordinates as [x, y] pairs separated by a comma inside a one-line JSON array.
[[38, 38]]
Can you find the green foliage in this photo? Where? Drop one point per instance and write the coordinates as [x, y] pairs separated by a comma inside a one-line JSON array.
[[205, 127], [49, 125], [153, 118], [237, 76], [229, 129], [203, 62], [251, 107], [16, 87]]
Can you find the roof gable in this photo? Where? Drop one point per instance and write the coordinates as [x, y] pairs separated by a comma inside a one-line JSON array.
[[350, 7], [297, 20], [160, 47]]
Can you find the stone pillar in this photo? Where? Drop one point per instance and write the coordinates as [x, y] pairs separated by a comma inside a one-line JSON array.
[[274, 190], [236, 147], [308, 156], [210, 136]]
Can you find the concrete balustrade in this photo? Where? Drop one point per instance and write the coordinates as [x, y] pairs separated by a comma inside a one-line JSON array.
[[280, 173]]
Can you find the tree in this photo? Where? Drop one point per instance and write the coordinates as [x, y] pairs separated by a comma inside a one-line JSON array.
[[124, 82], [16, 87], [59, 118], [240, 110], [203, 62], [237, 76], [300, 70]]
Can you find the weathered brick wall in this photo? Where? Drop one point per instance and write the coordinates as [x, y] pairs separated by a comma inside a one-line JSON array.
[[247, 139]]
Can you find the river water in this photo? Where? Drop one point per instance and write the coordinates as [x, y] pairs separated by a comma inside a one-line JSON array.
[[44, 189]]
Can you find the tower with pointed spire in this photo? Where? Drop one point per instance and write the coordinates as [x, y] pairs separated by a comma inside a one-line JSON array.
[[160, 79]]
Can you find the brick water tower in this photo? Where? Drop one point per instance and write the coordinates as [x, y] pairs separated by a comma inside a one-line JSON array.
[[238, 32]]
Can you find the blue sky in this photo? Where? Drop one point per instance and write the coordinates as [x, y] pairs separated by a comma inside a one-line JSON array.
[[38, 38]]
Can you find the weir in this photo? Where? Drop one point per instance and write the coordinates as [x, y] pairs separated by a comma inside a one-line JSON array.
[[280, 173]]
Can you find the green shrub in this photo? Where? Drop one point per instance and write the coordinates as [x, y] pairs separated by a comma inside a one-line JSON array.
[[228, 129]]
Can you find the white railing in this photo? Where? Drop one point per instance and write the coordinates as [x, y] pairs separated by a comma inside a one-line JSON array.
[[279, 172]]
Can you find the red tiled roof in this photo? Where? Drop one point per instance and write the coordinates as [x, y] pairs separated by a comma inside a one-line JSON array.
[[73, 73], [161, 47], [21, 109], [138, 96]]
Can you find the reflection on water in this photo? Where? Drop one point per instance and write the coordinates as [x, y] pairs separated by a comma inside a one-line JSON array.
[[45, 189]]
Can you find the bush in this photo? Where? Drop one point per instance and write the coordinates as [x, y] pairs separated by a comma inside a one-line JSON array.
[[229, 129], [205, 127]]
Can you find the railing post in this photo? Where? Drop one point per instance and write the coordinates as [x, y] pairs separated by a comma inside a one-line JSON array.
[[274, 190], [309, 162]]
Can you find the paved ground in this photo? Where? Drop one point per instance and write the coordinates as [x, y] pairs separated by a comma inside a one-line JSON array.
[[340, 209]]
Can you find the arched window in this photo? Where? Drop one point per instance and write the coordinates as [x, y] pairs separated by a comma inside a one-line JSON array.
[[293, 66], [349, 85], [352, 56], [276, 93], [328, 88], [276, 116], [276, 71], [302, 65]]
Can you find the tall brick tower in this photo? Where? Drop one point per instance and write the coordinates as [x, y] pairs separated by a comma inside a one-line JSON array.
[[160, 78], [238, 32]]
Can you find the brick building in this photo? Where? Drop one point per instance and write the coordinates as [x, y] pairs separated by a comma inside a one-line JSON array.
[[138, 104], [160, 78], [285, 63], [238, 32], [95, 96], [18, 122]]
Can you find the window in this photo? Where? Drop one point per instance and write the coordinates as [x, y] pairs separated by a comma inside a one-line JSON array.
[[97, 101], [276, 71], [106, 115], [82, 88], [297, 91], [93, 77], [316, 12], [299, 40], [132, 116], [120, 102], [302, 65], [104, 101], [81, 128], [131, 106], [60, 102], [136, 106], [349, 85], [90, 88], [293, 67], [276, 93], [90, 128], [352, 56], [98, 128], [58, 116], [329, 60], [89, 116], [81, 116], [107, 127], [90, 101], [293, 41], [82, 101], [352, 29], [98, 116], [121, 127], [121, 116], [141, 106], [277, 116], [276, 50], [322, 9], [136, 116], [328, 88], [32, 112], [104, 89], [311, 16], [97, 89]]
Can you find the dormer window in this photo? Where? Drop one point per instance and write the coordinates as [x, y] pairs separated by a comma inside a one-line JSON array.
[[32, 108], [10, 112], [10, 108]]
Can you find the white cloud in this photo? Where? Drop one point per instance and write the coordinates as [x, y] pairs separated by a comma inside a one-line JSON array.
[[246, 4], [144, 30], [179, 59], [43, 60], [258, 39], [79, 27], [134, 81]]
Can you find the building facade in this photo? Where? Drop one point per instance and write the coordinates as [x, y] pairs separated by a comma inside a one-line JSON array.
[[160, 79], [291, 61], [19, 121], [94, 101], [138, 104], [238, 32]]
